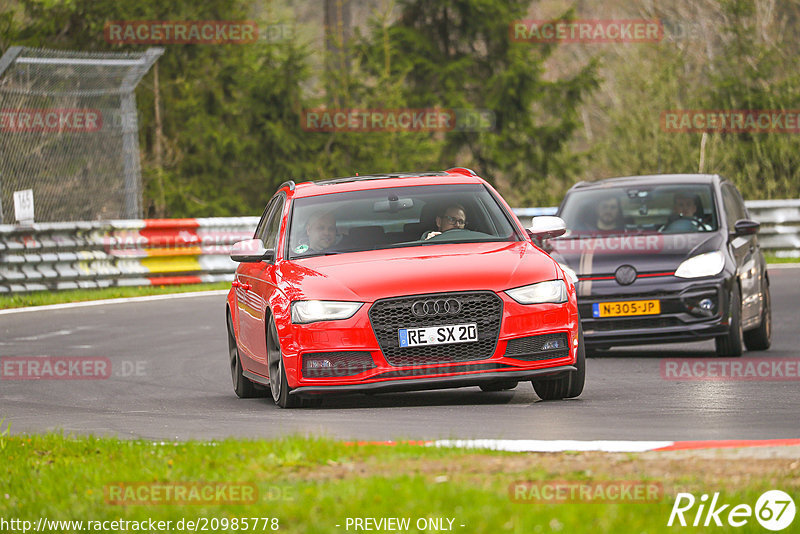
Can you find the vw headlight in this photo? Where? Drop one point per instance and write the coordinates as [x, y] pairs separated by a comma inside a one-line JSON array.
[[311, 311], [707, 264], [554, 291]]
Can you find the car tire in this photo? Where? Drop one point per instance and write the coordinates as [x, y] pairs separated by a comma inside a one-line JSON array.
[[568, 386], [279, 387], [761, 338], [732, 344], [242, 386], [498, 386]]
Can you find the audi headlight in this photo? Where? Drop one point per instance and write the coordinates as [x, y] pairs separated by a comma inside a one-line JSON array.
[[569, 272], [311, 311], [707, 264], [554, 291]]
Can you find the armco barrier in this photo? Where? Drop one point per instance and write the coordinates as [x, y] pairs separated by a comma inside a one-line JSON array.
[[56, 256]]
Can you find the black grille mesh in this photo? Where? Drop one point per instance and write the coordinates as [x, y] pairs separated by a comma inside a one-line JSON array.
[[389, 315], [532, 348], [344, 363]]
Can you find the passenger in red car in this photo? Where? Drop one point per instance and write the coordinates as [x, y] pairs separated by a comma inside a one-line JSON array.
[[454, 217]]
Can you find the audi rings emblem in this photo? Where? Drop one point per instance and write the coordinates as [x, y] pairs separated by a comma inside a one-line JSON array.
[[432, 307]]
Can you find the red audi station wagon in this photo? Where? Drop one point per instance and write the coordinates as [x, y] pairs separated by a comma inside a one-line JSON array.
[[399, 282]]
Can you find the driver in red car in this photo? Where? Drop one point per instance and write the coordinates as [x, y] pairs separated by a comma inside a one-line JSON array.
[[321, 232], [454, 217]]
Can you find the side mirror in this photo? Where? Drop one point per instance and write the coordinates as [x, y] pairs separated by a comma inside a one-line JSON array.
[[547, 226], [745, 227], [251, 251]]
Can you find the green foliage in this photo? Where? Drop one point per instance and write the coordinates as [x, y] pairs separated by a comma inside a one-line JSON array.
[[457, 54], [231, 114], [748, 62]]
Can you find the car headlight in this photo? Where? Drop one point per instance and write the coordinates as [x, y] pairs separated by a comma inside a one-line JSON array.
[[554, 291], [310, 311], [571, 274], [707, 264]]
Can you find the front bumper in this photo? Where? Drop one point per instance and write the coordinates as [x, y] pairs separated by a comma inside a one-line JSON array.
[[452, 381], [681, 318], [366, 368]]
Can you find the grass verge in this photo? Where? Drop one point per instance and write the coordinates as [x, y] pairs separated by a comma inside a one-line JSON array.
[[43, 298], [771, 258], [313, 485]]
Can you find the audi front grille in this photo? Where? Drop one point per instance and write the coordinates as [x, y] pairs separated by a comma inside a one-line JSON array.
[[483, 308]]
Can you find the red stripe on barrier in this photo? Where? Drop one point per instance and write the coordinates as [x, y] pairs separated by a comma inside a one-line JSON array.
[[174, 280], [729, 444], [170, 237], [171, 223]]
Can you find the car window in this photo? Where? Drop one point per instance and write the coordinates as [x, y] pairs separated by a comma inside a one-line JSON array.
[[678, 208], [396, 217], [734, 207], [270, 230], [262, 223]]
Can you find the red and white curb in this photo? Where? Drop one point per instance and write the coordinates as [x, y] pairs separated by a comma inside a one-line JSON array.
[[533, 445]]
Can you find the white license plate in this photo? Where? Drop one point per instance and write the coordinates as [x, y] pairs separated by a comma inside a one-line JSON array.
[[438, 335]]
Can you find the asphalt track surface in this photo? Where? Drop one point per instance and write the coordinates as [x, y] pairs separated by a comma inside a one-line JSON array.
[[170, 380]]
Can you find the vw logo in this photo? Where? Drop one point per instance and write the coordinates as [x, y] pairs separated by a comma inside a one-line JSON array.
[[424, 308], [625, 275]]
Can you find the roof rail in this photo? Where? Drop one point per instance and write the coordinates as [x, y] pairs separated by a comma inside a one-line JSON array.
[[287, 183], [461, 170]]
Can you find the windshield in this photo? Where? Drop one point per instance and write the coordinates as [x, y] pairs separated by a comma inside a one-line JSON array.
[[396, 217], [669, 209]]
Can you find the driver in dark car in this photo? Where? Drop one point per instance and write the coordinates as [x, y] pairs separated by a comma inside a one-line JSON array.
[[453, 217], [686, 206]]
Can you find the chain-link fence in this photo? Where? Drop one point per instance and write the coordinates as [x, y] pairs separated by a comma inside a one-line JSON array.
[[69, 132]]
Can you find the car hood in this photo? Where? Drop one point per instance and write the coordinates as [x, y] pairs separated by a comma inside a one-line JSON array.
[[371, 275], [647, 253]]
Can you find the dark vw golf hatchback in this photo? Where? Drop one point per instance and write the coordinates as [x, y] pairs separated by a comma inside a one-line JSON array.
[[665, 258]]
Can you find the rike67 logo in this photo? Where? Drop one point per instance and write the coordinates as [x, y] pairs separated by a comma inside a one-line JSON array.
[[774, 510]]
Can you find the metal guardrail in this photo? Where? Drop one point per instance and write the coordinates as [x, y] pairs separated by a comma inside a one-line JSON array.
[[57, 256]]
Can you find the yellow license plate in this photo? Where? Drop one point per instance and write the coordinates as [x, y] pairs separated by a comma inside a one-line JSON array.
[[626, 308]]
